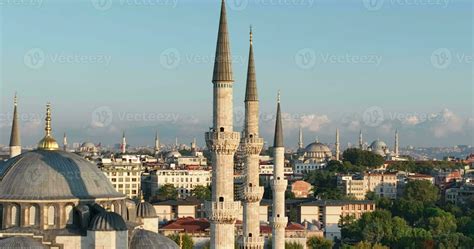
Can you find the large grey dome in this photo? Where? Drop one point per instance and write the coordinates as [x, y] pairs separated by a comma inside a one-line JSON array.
[[145, 210], [53, 175], [378, 145], [144, 239], [20, 243], [317, 147], [107, 221]]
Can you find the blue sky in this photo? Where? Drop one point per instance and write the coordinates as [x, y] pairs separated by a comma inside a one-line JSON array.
[[142, 65]]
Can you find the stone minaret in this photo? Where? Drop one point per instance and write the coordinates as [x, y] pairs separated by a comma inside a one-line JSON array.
[[338, 152], [361, 143], [124, 144], [279, 184], [300, 140], [396, 151], [15, 144], [65, 142], [252, 145], [157, 143], [222, 142]]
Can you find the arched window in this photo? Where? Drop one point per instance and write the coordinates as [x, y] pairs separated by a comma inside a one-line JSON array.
[[222, 129], [51, 214], [69, 214], [15, 215], [33, 211], [221, 199]]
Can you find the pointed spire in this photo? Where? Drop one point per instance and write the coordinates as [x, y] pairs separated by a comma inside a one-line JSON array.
[[15, 134], [251, 93], [223, 60], [48, 142], [300, 141], [278, 141], [65, 142]]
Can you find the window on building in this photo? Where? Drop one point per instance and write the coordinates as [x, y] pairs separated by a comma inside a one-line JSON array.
[[51, 215], [33, 215], [15, 215], [69, 214]]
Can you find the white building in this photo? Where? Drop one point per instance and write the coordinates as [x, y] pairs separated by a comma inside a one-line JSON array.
[[183, 180], [124, 177]]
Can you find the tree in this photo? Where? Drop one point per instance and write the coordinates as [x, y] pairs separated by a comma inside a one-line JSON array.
[[368, 245], [202, 192], [167, 192], [184, 241], [422, 191], [362, 158], [319, 243], [293, 245]]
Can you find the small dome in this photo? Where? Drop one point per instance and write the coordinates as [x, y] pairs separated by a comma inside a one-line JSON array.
[[378, 145], [107, 221], [173, 154], [144, 239], [88, 145], [317, 147], [20, 242], [145, 210]]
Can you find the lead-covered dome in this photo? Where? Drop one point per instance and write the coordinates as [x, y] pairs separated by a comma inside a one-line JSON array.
[[107, 221], [20, 242], [53, 175], [144, 239], [145, 210], [317, 152]]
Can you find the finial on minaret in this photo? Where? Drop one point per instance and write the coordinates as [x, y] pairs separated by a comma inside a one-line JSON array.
[[279, 97], [15, 99], [48, 142], [251, 35]]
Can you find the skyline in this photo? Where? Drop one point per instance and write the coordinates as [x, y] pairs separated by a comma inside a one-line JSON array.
[[324, 100]]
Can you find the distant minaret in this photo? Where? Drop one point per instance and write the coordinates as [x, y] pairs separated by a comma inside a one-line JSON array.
[[252, 144], [194, 145], [157, 143], [15, 144], [300, 141], [124, 143], [279, 184], [396, 151], [361, 143], [65, 142], [222, 141], [176, 145], [338, 152]]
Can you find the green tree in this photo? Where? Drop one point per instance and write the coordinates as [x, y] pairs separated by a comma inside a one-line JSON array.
[[293, 245], [167, 192], [202, 192], [362, 158], [184, 241], [319, 243], [368, 245], [422, 191]]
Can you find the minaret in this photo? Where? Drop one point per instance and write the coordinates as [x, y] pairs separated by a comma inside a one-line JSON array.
[[396, 151], [279, 184], [338, 152], [252, 145], [157, 143], [65, 142], [361, 145], [48, 142], [15, 144], [222, 142], [300, 140], [124, 144]]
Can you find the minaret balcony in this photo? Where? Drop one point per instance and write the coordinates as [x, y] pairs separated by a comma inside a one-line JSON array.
[[223, 142], [252, 146], [279, 185], [279, 222], [253, 194], [251, 242], [223, 212]]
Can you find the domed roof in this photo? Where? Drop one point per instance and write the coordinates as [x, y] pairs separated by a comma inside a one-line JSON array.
[[317, 147], [378, 145], [88, 145], [107, 221], [53, 175], [20, 242], [144, 239], [173, 153], [145, 210]]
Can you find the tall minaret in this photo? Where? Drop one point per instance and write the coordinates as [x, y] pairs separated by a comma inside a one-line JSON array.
[[300, 140], [157, 143], [361, 143], [124, 143], [338, 152], [15, 144], [396, 151], [222, 142], [252, 145], [65, 142], [279, 184]]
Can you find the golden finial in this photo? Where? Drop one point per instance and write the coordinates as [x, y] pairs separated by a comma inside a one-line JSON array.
[[48, 142], [251, 35], [15, 99], [279, 96]]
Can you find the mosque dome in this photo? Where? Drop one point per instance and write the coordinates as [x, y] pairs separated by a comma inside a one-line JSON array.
[[317, 147], [173, 154], [145, 210], [317, 152], [379, 147], [108, 221], [20, 242], [144, 239], [88, 145], [53, 175]]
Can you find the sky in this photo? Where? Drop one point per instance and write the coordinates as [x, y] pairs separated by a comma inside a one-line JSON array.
[[146, 65]]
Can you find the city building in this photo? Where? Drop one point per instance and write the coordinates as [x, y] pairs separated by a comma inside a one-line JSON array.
[[183, 180], [301, 189], [124, 176], [382, 184]]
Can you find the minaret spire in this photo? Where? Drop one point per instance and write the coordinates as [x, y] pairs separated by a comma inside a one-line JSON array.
[[157, 143], [396, 149], [338, 152], [251, 93], [48, 142], [361, 143], [279, 184], [124, 143], [300, 140], [65, 142], [223, 60], [15, 143]]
